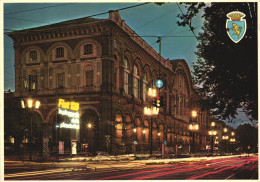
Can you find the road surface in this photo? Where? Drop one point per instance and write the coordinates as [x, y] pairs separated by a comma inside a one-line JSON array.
[[225, 168]]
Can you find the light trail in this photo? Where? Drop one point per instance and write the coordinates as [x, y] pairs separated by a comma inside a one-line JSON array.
[[165, 169], [131, 174], [173, 172], [218, 171], [60, 170]]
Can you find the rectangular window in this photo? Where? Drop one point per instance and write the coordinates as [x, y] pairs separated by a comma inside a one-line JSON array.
[[33, 55], [60, 52], [89, 78], [60, 80], [145, 87], [33, 82], [126, 75], [136, 88], [88, 49]]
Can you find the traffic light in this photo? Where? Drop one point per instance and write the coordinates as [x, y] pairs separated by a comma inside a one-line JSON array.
[[158, 101], [154, 102]]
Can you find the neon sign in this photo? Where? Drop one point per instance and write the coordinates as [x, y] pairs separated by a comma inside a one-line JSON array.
[[68, 105], [71, 110], [70, 114], [69, 125]]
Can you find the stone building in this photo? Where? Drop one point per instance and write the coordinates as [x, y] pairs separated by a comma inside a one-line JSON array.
[[103, 65]]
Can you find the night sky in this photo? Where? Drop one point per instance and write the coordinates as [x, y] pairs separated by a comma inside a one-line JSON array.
[[146, 20]]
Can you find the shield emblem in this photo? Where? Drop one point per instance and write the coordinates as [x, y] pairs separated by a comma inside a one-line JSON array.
[[236, 26]]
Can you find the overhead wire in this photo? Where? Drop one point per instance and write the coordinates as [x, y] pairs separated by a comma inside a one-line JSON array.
[[98, 14], [20, 19], [189, 24], [38, 8]]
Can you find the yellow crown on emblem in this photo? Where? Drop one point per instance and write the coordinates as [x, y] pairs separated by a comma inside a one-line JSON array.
[[236, 15]]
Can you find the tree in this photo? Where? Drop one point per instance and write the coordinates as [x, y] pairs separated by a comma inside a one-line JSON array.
[[248, 136], [226, 72]]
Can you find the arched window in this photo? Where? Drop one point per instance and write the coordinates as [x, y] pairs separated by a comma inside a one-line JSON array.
[[88, 49], [59, 52], [126, 76], [136, 82], [33, 55], [89, 76], [119, 128], [145, 85]]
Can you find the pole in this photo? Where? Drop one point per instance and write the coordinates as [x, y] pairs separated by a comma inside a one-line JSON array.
[[151, 137], [225, 146], [31, 142], [193, 143], [212, 144]]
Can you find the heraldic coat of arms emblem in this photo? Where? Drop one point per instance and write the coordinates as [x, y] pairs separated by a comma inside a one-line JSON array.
[[236, 26]]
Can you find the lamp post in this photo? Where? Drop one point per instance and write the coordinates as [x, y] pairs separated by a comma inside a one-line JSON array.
[[151, 112], [159, 141], [193, 127], [225, 138], [31, 104], [232, 141], [134, 140], [212, 133]]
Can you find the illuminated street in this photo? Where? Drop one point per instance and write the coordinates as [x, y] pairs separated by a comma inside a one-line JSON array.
[[217, 168]]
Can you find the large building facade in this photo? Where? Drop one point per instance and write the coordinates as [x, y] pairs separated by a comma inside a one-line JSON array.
[[103, 65]]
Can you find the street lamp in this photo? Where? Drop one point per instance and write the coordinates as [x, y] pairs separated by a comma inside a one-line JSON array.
[[152, 92], [193, 114], [193, 127], [232, 141], [225, 138], [31, 104], [212, 133], [153, 111], [89, 125]]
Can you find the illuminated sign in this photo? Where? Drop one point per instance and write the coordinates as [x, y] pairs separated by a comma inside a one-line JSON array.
[[70, 114], [71, 110], [68, 105], [159, 83], [69, 125]]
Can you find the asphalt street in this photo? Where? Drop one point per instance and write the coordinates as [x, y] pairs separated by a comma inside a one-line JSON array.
[[204, 168]]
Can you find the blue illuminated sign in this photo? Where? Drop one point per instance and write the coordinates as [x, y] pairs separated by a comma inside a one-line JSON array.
[[159, 83]]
